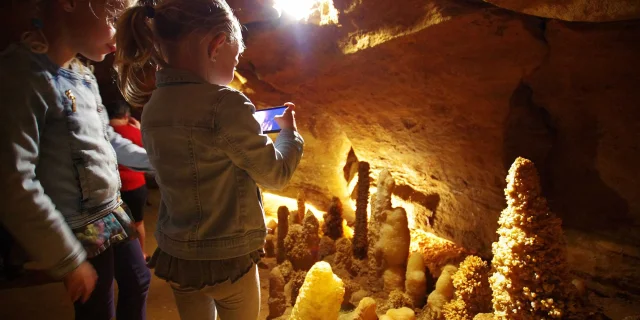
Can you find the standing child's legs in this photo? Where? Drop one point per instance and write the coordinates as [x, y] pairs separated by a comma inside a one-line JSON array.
[[133, 278], [239, 300], [136, 200], [100, 304]]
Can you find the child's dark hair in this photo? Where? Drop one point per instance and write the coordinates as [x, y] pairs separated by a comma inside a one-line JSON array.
[[145, 34], [118, 109]]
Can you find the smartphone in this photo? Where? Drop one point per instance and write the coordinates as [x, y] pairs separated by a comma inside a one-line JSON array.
[[266, 118]]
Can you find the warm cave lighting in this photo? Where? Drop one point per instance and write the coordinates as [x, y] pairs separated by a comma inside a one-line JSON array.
[[304, 9], [298, 9], [273, 201]]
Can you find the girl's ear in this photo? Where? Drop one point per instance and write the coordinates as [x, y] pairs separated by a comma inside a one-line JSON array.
[[68, 5], [214, 46]]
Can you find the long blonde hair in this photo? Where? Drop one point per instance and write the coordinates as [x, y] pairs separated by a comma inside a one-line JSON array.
[[145, 32]]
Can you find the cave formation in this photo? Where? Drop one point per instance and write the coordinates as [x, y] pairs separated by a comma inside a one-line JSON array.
[[441, 97]]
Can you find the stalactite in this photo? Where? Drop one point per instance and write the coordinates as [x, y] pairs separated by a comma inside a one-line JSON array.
[[360, 243]]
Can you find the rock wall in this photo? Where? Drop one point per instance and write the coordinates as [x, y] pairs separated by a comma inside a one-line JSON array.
[[446, 94]]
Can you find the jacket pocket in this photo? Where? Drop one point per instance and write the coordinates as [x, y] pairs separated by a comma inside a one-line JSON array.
[[84, 182]]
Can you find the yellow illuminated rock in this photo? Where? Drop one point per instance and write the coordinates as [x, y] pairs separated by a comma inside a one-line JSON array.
[[320, 296], [531, 280], [472, 292]]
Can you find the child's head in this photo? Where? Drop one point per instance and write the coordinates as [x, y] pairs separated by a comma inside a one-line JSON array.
[[118, 110], [86, 27], [201, 35]]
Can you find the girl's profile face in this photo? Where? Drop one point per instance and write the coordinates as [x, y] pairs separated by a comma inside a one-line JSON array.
[[226, 62], [92, 27]]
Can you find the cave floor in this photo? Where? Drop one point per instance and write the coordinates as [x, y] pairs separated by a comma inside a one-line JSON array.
[[50, 301]]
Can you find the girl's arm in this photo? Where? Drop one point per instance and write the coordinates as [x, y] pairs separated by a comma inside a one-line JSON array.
[[270, 165], [129, 154], [27, 212]]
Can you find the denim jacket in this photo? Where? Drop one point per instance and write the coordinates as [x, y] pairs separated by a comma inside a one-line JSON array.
[[209, 154], [58, 164]]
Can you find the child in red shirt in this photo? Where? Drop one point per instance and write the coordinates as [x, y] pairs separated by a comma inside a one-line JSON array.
[[134, 187]]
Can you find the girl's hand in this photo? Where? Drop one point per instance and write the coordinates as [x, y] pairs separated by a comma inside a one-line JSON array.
[[287, 119], [80, 282], [134, 122]]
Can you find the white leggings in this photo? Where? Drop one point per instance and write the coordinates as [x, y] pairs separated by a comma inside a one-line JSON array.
[[231, 301]]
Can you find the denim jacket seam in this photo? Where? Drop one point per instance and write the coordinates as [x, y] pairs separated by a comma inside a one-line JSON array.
[[194, 172], [233, 147]]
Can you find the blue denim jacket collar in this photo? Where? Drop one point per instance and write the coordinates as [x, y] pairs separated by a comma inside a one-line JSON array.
[[171, 76]]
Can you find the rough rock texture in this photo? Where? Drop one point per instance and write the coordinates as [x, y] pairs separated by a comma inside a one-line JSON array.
[[343, 260], [327, 247], [297, 279], [531, 278], [470, 87], [396, 299], [332, 226], [276, 300], [472, 293], [320, 296], [297, 249], [575, 10], [311, 228], [270, 246], [484, 316]]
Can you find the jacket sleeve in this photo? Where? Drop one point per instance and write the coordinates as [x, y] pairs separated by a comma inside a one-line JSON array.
[[28, 213], [128, 153], [270, 165]]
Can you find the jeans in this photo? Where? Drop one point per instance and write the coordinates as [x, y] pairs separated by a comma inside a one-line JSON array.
[[124, 262], [231, 301]]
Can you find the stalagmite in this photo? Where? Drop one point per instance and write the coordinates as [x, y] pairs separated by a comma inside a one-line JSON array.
[[394, 242], [302, 208], [270, 246], [297, 279], [343, 260], [531, 280], [399, 314], [327, 247], [297, 250], [416, 280], [360, 242], [380, 205], [366, 310], [320, 296], [472, 292], [283, 229], [333, 220], [397, 299], [441, 295], [311, 226], [277, 301]]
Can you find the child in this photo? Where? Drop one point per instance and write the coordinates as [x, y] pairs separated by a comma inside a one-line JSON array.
[[134, 187], [58, 163], [208, 151]]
